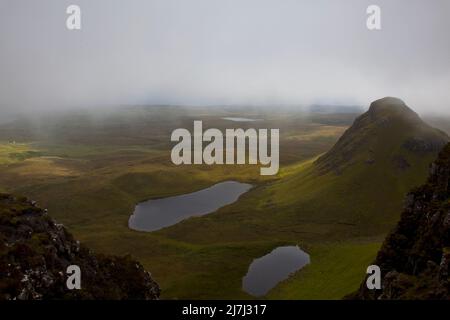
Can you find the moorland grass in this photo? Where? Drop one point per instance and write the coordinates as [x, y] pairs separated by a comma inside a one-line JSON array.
[[92, 183]]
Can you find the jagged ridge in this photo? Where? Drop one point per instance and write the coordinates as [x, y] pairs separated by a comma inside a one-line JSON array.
[[35, 252]]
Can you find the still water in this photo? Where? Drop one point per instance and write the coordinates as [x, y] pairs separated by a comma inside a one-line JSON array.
[[266, 272], [156, 214]]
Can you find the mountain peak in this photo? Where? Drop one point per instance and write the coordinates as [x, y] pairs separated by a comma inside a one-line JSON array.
[[391, 107], [387, 101], [388, 133]]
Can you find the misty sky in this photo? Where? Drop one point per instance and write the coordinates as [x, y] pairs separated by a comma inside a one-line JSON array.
[[219, 52]]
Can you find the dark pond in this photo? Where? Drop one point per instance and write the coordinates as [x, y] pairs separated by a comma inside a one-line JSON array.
[[156, 214], [266, 272]]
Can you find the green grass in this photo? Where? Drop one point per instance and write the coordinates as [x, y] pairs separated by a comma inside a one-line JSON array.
[[15, 152], [90, 175], [335, 270]]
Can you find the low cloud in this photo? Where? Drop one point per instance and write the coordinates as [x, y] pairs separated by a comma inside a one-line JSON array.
[[223, 52]]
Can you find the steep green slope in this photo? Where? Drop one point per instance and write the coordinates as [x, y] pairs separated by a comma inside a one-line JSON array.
[[415, 258], [361, 181]]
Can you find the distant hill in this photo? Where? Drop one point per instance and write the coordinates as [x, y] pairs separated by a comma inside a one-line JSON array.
[[35, 252], [388, 134], [357, 188], [415, 257]]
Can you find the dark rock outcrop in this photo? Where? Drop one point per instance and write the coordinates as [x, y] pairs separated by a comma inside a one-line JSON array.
[[35, 252], [415, 257]]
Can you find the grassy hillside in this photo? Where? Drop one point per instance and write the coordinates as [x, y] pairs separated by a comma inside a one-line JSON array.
[[91, 175], [92, 169], [415, 257], [361, 181], [346, 200]]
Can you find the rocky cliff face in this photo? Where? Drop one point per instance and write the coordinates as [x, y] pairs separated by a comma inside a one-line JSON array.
[[35, 252], [415, 257]]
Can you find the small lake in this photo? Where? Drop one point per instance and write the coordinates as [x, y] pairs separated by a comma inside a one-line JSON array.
[[266, 272], [156, 214], [241, 119]]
